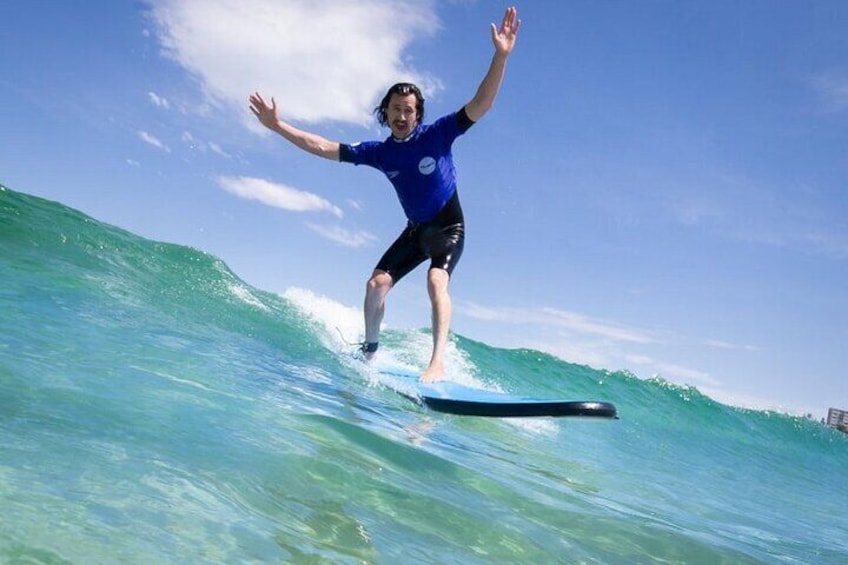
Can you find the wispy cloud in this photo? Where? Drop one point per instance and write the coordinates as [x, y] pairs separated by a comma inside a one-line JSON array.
[[355, 204], [198, 145], [158, 101], [152, 140], [832, 89], [673, 371], [344, 237], [823, 238], [218, 150], [322, 61], [581, 339], [189, 139], [277, 195], [795, 216], [561, 319], [719, 344]]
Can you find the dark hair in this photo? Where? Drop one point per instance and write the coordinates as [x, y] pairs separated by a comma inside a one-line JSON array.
[[404, 89]]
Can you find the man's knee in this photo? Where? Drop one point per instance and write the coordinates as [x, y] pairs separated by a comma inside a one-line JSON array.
[[437, 281], [380, 281]]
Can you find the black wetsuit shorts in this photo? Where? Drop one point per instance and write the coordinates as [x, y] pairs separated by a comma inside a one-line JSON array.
[[441, 240]]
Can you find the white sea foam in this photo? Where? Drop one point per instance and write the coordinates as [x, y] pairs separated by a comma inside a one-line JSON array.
[[402, 356], [400, 360], [242, 293]]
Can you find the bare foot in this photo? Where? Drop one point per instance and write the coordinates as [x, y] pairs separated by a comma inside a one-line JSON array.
[[432, 374]]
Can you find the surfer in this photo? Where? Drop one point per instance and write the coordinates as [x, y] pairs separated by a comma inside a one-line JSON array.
[[418, 162]]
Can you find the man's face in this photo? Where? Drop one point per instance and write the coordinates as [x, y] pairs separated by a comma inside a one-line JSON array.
[[402, 114]]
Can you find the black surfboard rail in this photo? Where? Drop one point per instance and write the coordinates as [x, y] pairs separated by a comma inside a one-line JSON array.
[[522, 409]]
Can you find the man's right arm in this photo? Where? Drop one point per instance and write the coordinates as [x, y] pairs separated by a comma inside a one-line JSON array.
[[309, 142]]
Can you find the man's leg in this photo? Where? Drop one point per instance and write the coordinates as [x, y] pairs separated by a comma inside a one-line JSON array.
[[437, 286], [376, 289]]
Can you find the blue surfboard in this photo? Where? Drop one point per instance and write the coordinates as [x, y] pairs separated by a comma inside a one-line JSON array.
[[454, 398]]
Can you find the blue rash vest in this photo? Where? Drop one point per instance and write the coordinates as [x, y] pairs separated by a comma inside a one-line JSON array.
[[420, 167]]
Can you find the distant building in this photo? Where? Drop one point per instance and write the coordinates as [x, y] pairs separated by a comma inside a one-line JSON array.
[[838, 419]]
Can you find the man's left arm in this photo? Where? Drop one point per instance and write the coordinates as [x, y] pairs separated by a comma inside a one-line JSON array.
[[504, 41]]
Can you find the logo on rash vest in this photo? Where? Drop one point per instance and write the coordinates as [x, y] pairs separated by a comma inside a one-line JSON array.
[[426, 165]]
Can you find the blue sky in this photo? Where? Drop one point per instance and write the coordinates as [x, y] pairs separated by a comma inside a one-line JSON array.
[[659, 188]]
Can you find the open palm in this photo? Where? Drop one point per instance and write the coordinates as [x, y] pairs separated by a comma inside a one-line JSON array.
[[504, 38]]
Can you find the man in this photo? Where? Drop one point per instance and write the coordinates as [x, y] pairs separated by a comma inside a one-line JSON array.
[[418, 162]]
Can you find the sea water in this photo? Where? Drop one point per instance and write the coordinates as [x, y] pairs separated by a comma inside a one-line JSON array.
[[154, 408]]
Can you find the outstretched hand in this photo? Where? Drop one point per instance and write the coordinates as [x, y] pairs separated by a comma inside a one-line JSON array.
[[504, 38], [266, 114]]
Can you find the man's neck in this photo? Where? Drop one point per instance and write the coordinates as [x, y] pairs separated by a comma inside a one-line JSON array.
[[407, 137]]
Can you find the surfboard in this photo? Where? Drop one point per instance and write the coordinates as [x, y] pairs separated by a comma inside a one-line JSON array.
[[454, 398]]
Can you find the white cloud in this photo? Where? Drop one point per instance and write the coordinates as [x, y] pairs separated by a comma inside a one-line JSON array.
[[719, 344], [355, 204], [562, 319], [789, 215], [673, 371], [277, 195], [580, 339], [570, 348], [832, 244], [198, 145], [158, 101], [742, 400], [803, 226], [152, 140], [218, 150], [832, 89], [326, 60], [342, 236]]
